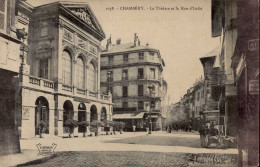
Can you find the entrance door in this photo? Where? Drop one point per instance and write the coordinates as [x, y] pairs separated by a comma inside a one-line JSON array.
[[41, 114]]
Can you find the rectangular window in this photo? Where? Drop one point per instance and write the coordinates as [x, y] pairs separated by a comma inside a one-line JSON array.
[[125, 104], [141, 56], [125, 75], [125, 58], [125, 91], [140, 73], [152, 55], [43, 69], [140, 90], [110, 59], [152, 73], [140, 105], [3, 14], [202, 93]]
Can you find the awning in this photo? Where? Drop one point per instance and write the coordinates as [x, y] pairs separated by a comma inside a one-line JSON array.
[[211, 111], [154, 116], [129, 116]]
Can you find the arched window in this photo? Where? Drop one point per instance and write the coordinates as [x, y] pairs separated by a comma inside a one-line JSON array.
[[91, 77], [80, 73], [67, 66]]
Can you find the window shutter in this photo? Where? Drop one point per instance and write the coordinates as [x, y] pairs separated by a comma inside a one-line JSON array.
[[2, 14]]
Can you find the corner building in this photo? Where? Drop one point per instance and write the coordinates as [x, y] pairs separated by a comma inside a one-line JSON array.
[[61, 75], [133, 68]]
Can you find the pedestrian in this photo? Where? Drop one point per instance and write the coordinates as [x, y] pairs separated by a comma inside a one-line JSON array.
[[133, 128], [202, 131], [170, 129]]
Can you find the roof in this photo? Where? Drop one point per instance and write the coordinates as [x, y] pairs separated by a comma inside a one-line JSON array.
[[211, 55], [68, 9], [129, 116], [127, 47]]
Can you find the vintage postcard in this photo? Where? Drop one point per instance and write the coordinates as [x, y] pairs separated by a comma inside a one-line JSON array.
[[129, 83]]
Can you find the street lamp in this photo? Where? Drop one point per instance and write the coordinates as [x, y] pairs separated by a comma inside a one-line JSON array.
[[150, 114], [109, 75]]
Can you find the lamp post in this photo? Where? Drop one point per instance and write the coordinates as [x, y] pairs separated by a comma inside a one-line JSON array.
[[109, 75], [150, 114]]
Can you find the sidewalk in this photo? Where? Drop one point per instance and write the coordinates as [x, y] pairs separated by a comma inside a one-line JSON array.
[[22, 158]]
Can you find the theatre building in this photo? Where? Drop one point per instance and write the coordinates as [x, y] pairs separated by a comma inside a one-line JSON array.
[[134, 75], [60, 77]]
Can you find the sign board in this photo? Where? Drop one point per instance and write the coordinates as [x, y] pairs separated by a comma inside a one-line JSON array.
[[25, 113], [254, 87], [83, 100], [253, 44]]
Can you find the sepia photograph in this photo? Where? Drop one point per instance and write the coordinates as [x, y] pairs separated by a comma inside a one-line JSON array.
[[129, 83]]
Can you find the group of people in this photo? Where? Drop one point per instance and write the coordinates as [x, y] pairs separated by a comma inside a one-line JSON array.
[[185, 126], [204, 130]]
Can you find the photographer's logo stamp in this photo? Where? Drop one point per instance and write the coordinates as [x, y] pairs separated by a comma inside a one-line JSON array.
[[46, 150]]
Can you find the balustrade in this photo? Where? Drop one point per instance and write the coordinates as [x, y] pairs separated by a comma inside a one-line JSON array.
[[48, 84], [35, 81]]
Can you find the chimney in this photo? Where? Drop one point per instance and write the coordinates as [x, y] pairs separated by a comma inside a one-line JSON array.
[[135, 40], [109, 43], [147, 44], [118, 41]]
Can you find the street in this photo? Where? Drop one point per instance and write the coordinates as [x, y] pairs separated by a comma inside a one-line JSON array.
[[134, 149]]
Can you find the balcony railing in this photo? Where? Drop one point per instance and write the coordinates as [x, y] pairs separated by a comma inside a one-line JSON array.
[[92, 94], [81, 91], [48, 84], [38, 83], [67, 88], [130, 60], [34, 80]]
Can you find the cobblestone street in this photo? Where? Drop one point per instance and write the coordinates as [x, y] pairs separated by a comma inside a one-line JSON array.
[[134, 149], [116, 159]]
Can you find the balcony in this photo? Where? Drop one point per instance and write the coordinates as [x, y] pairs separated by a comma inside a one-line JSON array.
[[37, 83], [45, 85], [126, 62]]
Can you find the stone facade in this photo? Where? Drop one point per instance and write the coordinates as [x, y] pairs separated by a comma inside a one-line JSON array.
[[60, 72], [132, 69]]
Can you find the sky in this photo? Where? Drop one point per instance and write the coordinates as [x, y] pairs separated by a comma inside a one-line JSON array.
[[182, 36]]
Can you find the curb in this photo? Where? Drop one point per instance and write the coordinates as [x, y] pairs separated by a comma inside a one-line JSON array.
[[38, 161]]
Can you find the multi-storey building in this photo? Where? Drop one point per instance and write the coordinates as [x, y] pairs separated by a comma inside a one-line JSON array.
[[11, 36], [128, 71], [60, 78]]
